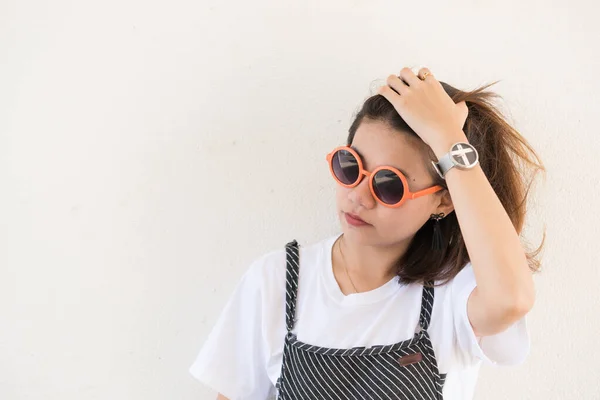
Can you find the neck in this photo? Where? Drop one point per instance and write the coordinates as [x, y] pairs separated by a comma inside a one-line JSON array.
[[369, 266]]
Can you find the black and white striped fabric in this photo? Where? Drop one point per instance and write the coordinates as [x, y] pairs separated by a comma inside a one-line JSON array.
[[404, 370]]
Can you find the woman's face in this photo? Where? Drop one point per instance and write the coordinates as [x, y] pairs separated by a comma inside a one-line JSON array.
[[379, 144]]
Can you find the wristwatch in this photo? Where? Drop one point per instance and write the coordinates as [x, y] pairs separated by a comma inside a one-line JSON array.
[[462, 155]]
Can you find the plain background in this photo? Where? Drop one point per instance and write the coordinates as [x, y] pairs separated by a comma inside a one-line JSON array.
[[150, 150]]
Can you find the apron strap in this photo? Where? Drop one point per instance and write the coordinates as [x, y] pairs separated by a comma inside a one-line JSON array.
[[291, 283], [426, 305]]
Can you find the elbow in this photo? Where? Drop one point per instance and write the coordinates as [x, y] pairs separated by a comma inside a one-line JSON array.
[[524, 305], [514, 305], [506, 315], [506, 308], [520, 304], [521, 296]]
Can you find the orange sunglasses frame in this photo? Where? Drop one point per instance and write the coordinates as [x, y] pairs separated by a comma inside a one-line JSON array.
[[362, 172]]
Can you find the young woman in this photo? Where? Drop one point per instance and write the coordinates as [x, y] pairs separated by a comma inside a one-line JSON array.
[[427, 280]]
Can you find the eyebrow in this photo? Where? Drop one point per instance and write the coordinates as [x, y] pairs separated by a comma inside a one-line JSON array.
[[399, 169]]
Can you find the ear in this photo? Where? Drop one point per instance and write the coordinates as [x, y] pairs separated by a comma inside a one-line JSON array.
[[445, 203]]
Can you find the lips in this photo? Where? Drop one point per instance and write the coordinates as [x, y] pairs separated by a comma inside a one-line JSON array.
[[354, 219]]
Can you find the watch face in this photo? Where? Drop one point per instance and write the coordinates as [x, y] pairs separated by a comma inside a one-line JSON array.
[[464, 155]]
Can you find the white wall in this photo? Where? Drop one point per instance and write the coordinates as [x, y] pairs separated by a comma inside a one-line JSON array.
[[150, 150]]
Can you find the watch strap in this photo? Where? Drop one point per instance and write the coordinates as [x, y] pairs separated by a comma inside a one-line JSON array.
[[443, 165]]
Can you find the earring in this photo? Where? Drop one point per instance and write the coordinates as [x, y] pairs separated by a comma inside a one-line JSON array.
[[438, 238]]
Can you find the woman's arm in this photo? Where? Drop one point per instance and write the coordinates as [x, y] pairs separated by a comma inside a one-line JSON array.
[[221, 397], [505, 290]]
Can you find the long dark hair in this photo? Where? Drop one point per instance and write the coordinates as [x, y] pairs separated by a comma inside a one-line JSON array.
[[507, 160]]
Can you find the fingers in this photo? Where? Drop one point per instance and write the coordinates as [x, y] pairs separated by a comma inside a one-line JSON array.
[[425, 72], [409, 77], [397, 84], [401, 84]]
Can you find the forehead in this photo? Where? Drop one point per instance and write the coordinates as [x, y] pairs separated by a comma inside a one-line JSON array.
[[380, 144]]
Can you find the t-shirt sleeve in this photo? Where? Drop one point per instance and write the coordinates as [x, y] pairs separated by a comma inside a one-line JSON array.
[[232, 361], [509, 347]]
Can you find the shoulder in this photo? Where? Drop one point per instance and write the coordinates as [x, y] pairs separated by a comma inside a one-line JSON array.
[[454, 337], [450, 298], [268, 271], [463, 281]]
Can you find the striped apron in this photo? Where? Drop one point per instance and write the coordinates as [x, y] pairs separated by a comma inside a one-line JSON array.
[[404, 370]]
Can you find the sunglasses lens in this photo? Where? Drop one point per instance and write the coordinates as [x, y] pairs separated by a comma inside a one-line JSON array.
[[388, 186], [345, 167]]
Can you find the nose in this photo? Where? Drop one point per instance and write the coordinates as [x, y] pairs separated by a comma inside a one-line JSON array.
[[361, 194]]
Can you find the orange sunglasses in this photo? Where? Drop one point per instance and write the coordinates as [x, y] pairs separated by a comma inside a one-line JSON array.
[[388, 185]]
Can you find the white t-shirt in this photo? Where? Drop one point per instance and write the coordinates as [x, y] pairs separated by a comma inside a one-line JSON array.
[[242, 355]]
